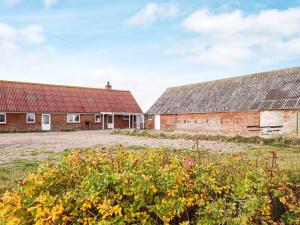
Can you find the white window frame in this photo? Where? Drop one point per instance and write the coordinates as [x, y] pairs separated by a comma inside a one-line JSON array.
[[27, 118], [98, 114], [73, 116], [4, 118], [126, 117]]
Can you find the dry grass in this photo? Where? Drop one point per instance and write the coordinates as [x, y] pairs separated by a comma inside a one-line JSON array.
[[280, 140], [11, 173]]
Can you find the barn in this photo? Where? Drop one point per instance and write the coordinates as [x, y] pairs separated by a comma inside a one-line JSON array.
[[264, 104], [45, 107]]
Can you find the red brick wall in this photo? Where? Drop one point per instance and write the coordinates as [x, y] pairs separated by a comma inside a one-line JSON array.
[[87, 122], [17, 122], [168, 122], [226, 123], [149, 122], [120, 123], [236, 123]]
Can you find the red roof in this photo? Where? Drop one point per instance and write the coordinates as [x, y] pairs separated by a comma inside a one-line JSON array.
[[32, 97]]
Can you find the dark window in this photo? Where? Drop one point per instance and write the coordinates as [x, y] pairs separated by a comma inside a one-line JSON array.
[[98, 118], [30, 117], [125, 117], [2, 118]]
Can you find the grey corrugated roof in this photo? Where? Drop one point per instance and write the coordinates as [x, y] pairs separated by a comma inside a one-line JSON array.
[[279, 89]]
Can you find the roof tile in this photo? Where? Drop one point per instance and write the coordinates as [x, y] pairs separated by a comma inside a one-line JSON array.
[[31, 97], [279, 89]]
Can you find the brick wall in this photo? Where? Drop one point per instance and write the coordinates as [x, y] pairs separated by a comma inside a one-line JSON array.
[[17, 122], [168, 122], [237, 123], [264, 123], [226, 123], [87, 122], [122, 124], [149, 122]]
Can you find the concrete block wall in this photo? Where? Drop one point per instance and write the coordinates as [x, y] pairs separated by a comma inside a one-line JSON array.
[[280, 122]]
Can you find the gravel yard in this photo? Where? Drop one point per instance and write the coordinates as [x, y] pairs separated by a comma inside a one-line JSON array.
[[38, 146]]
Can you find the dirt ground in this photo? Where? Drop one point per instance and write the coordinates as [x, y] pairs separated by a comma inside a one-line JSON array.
[[38, 146]]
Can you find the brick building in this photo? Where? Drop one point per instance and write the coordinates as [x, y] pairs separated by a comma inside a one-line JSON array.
[[263, 104], [36, 107]]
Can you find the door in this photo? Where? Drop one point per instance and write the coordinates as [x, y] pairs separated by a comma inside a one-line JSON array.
[[110, 122], [157, 122], [46, 122], [140, 122]]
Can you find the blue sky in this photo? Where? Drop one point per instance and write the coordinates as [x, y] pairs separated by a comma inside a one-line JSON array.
[[145, 46]]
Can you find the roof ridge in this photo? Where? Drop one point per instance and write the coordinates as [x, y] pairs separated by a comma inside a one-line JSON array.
[[239, 76], [60, 85]]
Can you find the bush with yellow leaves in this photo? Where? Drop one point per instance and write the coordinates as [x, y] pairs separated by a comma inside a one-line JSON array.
[[152, 186]]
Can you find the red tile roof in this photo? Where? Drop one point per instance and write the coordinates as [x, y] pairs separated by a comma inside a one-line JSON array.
[[32, 97]]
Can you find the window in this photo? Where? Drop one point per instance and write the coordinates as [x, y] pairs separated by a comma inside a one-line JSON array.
[[98, 118], [150, 117], [125, 117], [30, 117], [73, 118], [2, 118]]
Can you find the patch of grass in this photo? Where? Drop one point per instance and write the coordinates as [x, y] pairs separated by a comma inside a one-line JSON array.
[[11, 173], [278, 141], [287, 157]]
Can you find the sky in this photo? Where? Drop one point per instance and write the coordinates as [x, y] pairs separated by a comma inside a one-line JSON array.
[[145, 46]]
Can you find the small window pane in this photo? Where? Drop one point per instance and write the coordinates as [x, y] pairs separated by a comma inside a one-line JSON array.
[[46, 119], [70, 118], [98, 118], [109, 118], [125, 117], [73, 118], [2, 118], [76, 118], [30, 117]]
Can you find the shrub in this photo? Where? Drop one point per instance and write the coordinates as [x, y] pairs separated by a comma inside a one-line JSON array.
[[152, 186]]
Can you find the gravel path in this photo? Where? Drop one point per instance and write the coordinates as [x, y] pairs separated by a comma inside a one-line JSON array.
[[37, 146]]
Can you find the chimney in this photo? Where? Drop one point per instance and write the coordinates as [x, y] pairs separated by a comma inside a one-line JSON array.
[[108, 86]]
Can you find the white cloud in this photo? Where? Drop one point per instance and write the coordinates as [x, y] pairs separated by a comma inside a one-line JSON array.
[[14, 44], [9, 46], [33, 34], [7, 32], [12, 2], [49, 3], [230, 38], [152, 12]]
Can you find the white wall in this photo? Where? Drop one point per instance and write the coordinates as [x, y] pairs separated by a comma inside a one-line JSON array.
[[285, 118]]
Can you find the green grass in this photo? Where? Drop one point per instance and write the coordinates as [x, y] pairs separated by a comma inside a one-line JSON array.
[[287, 157], [11, 173]]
